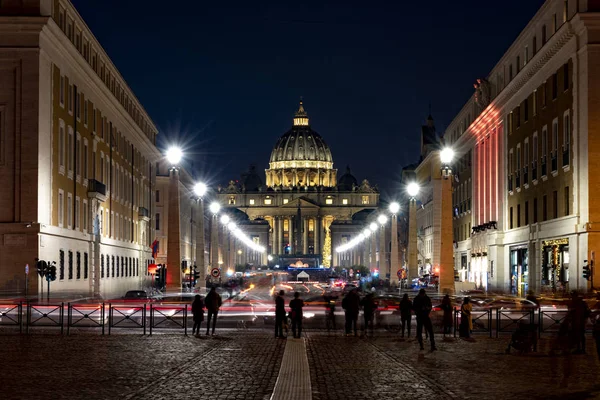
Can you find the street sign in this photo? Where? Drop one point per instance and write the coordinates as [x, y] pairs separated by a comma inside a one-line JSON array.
[[26, 269], [399, 273], [215, 273]]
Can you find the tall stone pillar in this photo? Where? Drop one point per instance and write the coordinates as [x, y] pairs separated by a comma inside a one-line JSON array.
[[446, 246], [214, 242], [232, 252], [318, 232], [373, 260], [383, 265], [305, 235], [394, 262], [174, 235], [200, 261], [291, 234], [279, 235], [413, 268]]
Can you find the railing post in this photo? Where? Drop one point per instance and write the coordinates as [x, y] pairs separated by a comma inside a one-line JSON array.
[[151, 318], [62, 319], [497, 321], [185, 319], [455, 320], [69, 311], [144, 318], [102, 314], [110, 315], [27, 318], [490, 322], [20, 317]]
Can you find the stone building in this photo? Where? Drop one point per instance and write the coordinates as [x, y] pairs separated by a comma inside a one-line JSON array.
[[302, 211], [77, 152], [527, 145]]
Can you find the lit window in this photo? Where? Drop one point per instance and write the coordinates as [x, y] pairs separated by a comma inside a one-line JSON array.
[[231, 200], [344, 201], [329, 200], [251, 202], [285, 201], [365, 199], [268, 201]]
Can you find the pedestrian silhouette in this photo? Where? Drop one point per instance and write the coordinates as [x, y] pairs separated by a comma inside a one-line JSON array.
[[296, 306], [369, 306], [279, 314], [447, 309], [422, 307], [213, 303], [351, 306], [198, 313], [405, 313]]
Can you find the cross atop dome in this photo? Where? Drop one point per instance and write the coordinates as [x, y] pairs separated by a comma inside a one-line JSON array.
[[301, 117]]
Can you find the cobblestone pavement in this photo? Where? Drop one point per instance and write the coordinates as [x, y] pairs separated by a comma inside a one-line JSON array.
[[387, 367], [234, 365]]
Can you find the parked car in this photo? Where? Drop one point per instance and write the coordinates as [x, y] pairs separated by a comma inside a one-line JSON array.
[[135, 295]]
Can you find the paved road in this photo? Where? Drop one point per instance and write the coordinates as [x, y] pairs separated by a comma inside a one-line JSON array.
[[246, 364]]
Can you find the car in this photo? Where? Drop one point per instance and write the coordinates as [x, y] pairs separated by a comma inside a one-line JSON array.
[[135, 295]]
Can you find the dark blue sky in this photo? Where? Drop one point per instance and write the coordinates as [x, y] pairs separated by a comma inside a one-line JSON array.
[[225, 77]]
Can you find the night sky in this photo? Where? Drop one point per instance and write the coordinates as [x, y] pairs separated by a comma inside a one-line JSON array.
[[225, 78]]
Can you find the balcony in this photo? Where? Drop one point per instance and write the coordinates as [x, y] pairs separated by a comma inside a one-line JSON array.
[[554, 161], [565, 155], [510, 183], [143, 214], [96, 190]]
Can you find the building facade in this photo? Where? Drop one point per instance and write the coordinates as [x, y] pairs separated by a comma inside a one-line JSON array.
[[303, 210], [526, 142], [76, 157]]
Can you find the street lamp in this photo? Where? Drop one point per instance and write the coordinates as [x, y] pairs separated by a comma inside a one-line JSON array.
[[394, 207], [174, 156], [214, 207], [413, 189], [367, 232], [373, 226], [200, 190], [382, 219], [225, 219], [446, 157], [394, 264]]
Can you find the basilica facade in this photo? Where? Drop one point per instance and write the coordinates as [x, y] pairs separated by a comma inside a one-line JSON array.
[[301, 211]]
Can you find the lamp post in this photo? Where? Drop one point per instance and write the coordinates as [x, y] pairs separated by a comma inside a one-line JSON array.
[[199, 192], [383, 270], [394, 264], [446, 275], [174, 156], [413, 271], [214, 208]]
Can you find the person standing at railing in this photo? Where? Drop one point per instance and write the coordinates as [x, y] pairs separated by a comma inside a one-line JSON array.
[[466, 320], [447, 309], [198, 313], [369, 306], [213, 303], [579, 313], [279, 314], [351, 306], [296, 306], [405, 313], [422, 307]]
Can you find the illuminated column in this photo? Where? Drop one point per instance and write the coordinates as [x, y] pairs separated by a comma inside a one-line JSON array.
[[446, 278], [291, 234], [413, 270], [231, 261], [174, 235], [305, 235], [279, 235], [394, 264], [200, 262], [373, 259], [318, 231], [214, 242], [383, 268]]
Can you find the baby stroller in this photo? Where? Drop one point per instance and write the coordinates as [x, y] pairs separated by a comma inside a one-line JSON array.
[[524, 339]]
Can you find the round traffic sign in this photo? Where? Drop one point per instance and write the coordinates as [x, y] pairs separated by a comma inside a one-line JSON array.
[[399, 273], [215, 272]]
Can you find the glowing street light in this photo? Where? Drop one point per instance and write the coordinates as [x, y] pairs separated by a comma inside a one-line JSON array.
[[174, 155], [373, 226], [394, 207], [214, 207], [382, 219], [225, 219], [367, 232], [200, 189], [413, 189], [270, 257], [446, 155]]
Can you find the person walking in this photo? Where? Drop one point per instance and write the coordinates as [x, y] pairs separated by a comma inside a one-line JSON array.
[[198, 314], [405, 313], [466, 320], [351, 306], [447, 309], [296, 313], [579, 312], [213, 303], [369, 306], [279, 314], [422, 307]]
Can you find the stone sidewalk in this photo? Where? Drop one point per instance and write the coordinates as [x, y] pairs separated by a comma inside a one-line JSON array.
[[247, 365]]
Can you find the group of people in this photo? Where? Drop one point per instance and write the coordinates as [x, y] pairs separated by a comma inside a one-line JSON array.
[[212, 303]]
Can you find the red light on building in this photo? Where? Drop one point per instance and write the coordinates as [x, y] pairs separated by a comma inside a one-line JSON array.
[[152, 269]]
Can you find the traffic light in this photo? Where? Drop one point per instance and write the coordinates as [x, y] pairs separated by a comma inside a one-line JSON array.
[[587, 273], [42, 267], [196, 275], [52, 273]]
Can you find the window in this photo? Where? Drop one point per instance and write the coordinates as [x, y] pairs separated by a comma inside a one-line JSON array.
[[566, 77], [526, 110], [61, 147], [555, 204], [535, 149], [70, 265], [61, 264], [329, 200], [526, 213], [158, 196], [77, 212], [78, 157], [510, 122], [78, 106], [518, 64], [365, 199], [517, 115], [554, 136], [344, 201], [61, 91], [85, 112], [231, 200], [84, 155], [510, 72], [113, 266], [535, 211], [268, 201], [69, 211], [554, 86], [544, 143], [61, 208], [85, 215], [566, 138], [545, 208], [518, 215], [70, 153], [252, 202], [157, 216], [511, 218], [526, 161], [526, 54], [85, 265], [544, 94], [544, 38], [534, 103], [285, 201], [94, 120], [118, 264], [534, 45], [565, 11], [554, 24], [78, 265]]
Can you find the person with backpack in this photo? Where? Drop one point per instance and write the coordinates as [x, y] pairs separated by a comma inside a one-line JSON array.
[[198, 313], [422, 307], [213, 302]]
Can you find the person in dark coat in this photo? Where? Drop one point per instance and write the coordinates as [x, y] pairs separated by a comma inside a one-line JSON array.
[[405, 313], [279, 314], [369, 306], [351, 306], [579, 312], [296, 313], [213, 303], [447, 309], [422, 307], [198, 313]]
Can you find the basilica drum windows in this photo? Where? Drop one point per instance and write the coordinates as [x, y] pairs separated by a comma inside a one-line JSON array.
[[345, 202], [251, 201], [365, 199], [268, 201], [329, 200], [231, 200]]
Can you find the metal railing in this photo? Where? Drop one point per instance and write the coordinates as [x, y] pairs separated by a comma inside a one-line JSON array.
[[508, 321], [550, 321], [481, 320], [123, 316], [86, 316], [169, 317], [48, 315], [12, 314]]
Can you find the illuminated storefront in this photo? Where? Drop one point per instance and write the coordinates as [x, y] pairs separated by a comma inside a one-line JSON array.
[[519, 270], [555, 265]]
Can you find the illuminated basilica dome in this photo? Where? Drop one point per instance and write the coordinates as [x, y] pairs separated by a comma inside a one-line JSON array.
[[301, 157]]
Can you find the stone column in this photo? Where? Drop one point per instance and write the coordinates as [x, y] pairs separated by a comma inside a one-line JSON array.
[[446, 245], [373, 260], [214, 242], [200, 261], [232, 253], [174, 235], [394, 263], [304, 235], [279, 235], [291, 234], [413, 269], [318, 231], [383, 265]]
